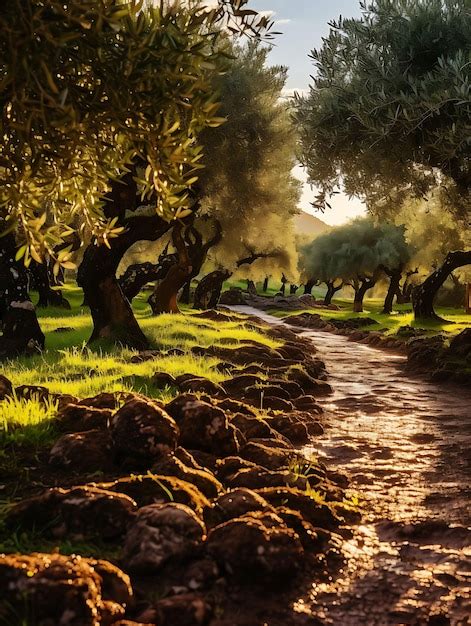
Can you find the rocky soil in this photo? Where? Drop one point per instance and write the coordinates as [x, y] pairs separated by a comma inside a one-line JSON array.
[[212, 504]]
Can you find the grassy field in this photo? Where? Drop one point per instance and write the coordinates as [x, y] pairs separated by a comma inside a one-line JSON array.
[[456, 320], [69, 366]]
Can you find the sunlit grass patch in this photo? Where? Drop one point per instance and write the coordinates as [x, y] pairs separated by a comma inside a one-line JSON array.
[[455, 319], [26, 421]]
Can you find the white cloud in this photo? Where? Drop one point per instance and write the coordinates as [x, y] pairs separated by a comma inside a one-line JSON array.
[[282, 22]]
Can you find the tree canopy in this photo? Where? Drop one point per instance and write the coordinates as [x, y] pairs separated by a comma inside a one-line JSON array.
[[88, 88], [389, 112], [355, 250], [247, 184]]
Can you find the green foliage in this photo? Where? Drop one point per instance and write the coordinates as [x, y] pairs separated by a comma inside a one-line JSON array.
[[89, 87], [431, 232], [247, 184], [354, 250], [388, 114]]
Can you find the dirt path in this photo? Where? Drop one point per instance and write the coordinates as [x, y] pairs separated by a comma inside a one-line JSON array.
[[406, 446]]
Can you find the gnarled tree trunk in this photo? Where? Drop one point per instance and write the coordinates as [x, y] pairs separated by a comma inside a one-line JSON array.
[[198, 252], [309, 285], [284, 280], [164, 298], [21, 333], [113, 317], [332, 289], [136, 276], [394, 283], [361, 286], [209, 289], [251, 288], [423, 295]]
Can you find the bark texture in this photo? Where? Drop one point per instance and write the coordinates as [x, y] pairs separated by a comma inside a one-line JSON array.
[[209, 289], [423, 296], [21, 333], [165, 296], [113, 318], [332, 289], [394, 275]]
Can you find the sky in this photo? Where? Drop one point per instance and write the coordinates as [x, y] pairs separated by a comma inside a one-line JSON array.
[[303, 23]]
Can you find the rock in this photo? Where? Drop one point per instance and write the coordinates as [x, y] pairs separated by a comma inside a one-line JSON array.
[[162, 533], [308, 404], [32, 392], [269, 391], [103, 400], [309, 384], [157, 489], [142, 433], [290, 387], [310, 539], [161, 380], [206, 428], [183, 610], [232, 296], [225, 468], [313, 427], [270, 458], [198, 384], [176, 408], [88, 451], [292, 428], [200, 574], [202, 479], [258, 548], [316, 513], [76, 417], [229, 405], [65, 590], [238, 385], [205, 460], [460, 345], [87, 512], [259, 477], [235, 503], [252, 427], [6, 387]]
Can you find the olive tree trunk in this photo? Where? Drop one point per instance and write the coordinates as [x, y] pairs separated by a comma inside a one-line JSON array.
[[164, 299], [423, 296], [113, 317], [393, 288], [332, 289], [21, 333], [209, 289]]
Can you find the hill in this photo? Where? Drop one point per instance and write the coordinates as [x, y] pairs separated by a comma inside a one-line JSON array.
[[309, 225]]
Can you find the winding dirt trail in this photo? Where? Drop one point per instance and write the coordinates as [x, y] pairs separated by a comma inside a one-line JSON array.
[[406, 446]]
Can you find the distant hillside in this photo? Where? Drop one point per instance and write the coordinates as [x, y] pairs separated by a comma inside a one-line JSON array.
[[309, 225]]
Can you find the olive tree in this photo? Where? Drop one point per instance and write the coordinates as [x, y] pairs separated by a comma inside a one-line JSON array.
[[388, 114], [357, 254], [102, 105]]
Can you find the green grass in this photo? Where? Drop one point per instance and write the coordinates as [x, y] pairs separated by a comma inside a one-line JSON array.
[[456, 319], [68, 366]]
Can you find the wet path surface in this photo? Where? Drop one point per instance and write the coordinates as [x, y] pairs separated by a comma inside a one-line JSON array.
[[406, 446]]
